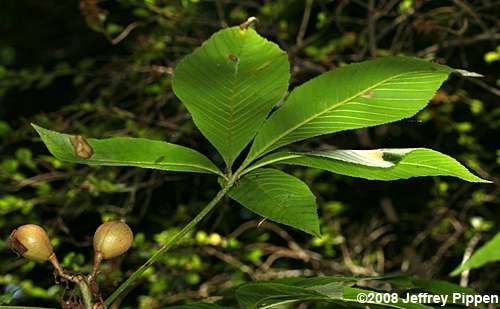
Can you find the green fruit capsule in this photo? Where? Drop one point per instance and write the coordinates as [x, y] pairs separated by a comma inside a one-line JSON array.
[[112, 239], [32, 242]]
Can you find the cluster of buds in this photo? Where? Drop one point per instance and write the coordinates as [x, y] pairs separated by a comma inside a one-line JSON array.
[[111, 239]]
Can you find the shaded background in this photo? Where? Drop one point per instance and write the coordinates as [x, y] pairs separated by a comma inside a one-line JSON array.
[[103, 68]]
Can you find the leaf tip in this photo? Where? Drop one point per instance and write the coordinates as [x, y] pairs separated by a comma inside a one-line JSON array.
[[36, 127], [477, 179], [466, 73], [456, 272], [42, 132], [484, 180], [316, 232]]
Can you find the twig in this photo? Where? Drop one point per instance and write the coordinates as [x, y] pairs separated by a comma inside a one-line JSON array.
[[484, 85], [305, 21], [277, 274], [471, 12], [463, 41], [229, 260], [451, 240], [464, 277], [372, 40], [125, 32], [220, 13], [78, 279]]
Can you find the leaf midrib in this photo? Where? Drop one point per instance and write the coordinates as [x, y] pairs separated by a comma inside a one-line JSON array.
[[148, 164], [268, 162], [424, 165], [287, 301], [278, 203], [272, 142], [270, 196], [299, 156], [232, 102]]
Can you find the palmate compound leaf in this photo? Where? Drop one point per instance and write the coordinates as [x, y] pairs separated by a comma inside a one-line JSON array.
[[280, 197], [488, 253], [126, 151], [379, 164], [355, 96], [230, 84]]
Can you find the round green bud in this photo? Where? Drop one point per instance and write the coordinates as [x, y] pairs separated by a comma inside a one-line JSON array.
[[112, 239], [32, 242]]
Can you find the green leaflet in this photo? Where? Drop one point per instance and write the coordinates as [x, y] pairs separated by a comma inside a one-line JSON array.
[[127, 151], [280, 197], [374, 158], [263, 295], [355, 96], [489, 252], [198, 306], [330, 289], [393, 163], [230, 84]]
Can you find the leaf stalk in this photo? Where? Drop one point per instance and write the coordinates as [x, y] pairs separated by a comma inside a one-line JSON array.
[[172, 241]]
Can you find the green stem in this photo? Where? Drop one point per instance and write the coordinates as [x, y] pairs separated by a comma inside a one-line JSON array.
[[86, 295], [242, 170], [78, 279], [171, 242]]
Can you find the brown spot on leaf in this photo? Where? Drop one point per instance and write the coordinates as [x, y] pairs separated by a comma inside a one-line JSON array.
[[233, 58], [368, 94], [81, 147]]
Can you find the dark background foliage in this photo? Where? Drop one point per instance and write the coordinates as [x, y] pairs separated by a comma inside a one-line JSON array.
[[103, 68]]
